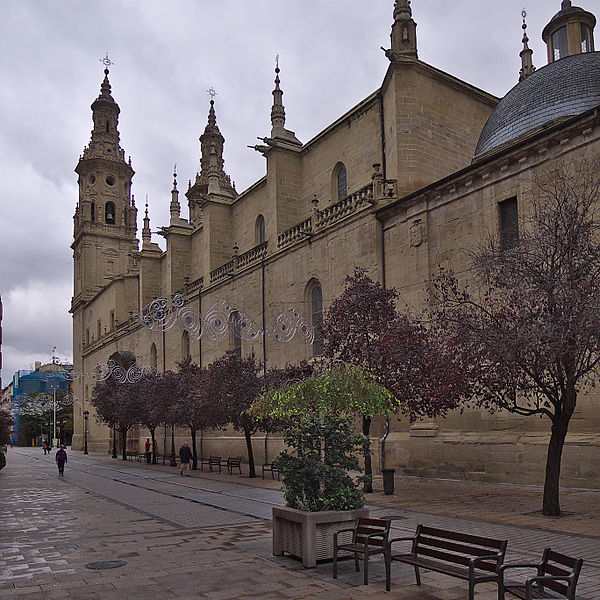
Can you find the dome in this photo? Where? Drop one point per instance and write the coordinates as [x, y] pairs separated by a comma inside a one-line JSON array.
[[562, 89]]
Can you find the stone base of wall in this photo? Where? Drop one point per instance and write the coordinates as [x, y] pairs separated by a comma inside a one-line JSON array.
[[508, 457]]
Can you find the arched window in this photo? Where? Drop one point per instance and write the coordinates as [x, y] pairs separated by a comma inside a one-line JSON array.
[[93, 212], [260, 229], [316, 313], [185, 345], [235, 337], [586, 38], [153, 357], [559, 43], [109, 213], [107, 126], [339, 182]]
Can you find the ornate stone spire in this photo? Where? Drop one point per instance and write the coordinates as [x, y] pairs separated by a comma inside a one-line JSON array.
[[146, 233], [280, 136], [526, 54], [212, 141], [104, 142], [277, 111], [175, 207], [404, 33]]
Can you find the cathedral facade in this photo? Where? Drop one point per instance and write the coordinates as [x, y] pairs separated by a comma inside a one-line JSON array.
[[421, 169]]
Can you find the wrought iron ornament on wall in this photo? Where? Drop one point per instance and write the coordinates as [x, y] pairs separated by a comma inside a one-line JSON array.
[[162, 314]]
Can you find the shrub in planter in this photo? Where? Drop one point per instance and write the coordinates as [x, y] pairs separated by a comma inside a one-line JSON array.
[[316, 478]]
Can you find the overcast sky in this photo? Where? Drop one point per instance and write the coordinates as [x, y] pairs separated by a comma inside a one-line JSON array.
[[167, 54]]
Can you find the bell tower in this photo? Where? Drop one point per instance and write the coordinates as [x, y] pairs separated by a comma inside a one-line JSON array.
[[105, 220]]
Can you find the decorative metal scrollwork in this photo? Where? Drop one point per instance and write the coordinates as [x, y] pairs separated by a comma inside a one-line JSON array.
[[162, 314]]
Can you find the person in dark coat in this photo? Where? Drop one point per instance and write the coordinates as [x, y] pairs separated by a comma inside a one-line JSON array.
[[185, 454], [61, 459]]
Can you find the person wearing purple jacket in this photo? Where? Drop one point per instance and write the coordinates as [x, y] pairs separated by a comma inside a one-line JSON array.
[[61, 459]]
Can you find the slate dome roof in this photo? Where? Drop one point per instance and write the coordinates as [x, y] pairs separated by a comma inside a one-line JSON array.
[[564, 88]]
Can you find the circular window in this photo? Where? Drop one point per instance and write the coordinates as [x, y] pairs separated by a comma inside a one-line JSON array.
[[110, 180], [92, 179]]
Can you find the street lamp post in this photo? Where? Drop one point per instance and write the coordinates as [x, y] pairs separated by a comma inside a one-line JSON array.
[[114, 442], [172, 460], [86, 414]]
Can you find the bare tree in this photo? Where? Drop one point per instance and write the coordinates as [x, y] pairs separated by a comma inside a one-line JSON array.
[[530, 334]]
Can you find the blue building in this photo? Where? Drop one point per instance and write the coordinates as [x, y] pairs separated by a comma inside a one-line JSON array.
[[44, 379]]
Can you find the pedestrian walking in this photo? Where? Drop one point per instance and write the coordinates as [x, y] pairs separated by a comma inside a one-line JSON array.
[[148, 454], [45, 448], [185, 454], [61, 459]]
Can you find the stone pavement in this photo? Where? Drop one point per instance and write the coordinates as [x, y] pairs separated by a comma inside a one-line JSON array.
[[208, 535]]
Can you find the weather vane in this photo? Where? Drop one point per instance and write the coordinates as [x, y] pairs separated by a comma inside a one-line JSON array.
[[211, 92], [106, 61], [277, 61]]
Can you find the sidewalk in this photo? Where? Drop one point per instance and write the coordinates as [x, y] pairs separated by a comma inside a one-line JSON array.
[[160, 528]]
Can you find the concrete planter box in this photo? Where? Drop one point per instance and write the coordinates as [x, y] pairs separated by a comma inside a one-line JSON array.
[[309, 535]]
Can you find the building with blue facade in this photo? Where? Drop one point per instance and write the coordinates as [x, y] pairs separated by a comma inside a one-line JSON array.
[[50, 378]]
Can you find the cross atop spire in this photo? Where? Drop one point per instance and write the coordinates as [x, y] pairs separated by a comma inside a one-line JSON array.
[[526, 54]]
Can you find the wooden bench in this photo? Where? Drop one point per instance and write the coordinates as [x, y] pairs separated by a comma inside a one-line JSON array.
[[210, 462], [234, 463], [131, 454], [556, 572], [369, 537], [473, 558], [270, 467]]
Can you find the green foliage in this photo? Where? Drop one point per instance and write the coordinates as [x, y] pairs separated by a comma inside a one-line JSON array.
[[316, 477], [341, 389], [2, 460]]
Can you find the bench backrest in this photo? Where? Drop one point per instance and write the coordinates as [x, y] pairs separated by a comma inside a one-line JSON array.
[[214, 460], [554, 563], [364, 527], [458, 548]]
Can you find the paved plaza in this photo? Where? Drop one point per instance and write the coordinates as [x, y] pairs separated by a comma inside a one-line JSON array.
[[209, 535]]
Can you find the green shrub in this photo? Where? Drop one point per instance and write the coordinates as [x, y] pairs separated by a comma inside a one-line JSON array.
[[316, 478], [2, 460]]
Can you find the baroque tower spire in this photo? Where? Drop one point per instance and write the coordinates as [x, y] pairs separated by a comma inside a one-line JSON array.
[[404, 33], [105, 219], [526, 54], [211, 143]]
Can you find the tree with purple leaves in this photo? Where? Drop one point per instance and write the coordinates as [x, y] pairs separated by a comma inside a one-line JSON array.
[[363, 328], [530, 330], [198, 406], [237, 384]]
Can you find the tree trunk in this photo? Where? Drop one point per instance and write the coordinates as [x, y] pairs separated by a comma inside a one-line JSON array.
[[251, 468], [124, 439], [194, 453], [560, 427], [368, 487], [152, 434]]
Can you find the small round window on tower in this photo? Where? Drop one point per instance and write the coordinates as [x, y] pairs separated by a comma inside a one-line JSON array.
[[92, 179], [110, 180]]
